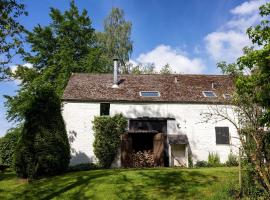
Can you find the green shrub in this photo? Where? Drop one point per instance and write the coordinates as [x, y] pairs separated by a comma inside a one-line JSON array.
[[213, 160], [250, 186], [107, 131], [232, 160], [43, 148], [83, 167], [8, 144], [201, 163]]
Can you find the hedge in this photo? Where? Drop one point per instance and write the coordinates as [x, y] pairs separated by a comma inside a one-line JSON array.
[[107, 131]]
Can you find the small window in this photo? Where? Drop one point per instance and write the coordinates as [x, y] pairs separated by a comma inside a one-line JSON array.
[[222, 135], [149, 94], [227, 96], [209, 94], [104, 109]]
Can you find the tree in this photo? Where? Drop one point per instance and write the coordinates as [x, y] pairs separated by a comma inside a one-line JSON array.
[[65, 46], [252, 100], [8, 144], [10, 33], [140, 68], [43, 148], [166, 69], [116, 39]]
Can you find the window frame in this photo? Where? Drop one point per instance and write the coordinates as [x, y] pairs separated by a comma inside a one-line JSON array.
[[141, 93], [101, 113], [203, 92], [220, 140]]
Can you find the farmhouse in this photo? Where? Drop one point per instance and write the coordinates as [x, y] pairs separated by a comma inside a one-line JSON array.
[[164, 115]]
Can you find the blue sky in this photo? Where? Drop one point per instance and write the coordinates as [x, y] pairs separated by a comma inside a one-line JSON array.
[[192, 36]]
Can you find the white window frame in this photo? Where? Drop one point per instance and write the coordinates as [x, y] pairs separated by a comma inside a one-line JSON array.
[[203, 92]]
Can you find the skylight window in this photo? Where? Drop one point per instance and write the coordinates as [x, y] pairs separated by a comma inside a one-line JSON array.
[[227, 96], [149, 94], [209, 94]]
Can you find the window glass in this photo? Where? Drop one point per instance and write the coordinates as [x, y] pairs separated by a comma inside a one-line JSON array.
[[209, 94], [149, 94], [222, 135], [104, 109]]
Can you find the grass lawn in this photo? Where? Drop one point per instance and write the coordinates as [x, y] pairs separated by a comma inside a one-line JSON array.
[[157, 183]]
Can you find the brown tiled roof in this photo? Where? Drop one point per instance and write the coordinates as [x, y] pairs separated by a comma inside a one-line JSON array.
[[187, 88]]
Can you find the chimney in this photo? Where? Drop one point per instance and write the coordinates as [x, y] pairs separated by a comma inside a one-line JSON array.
[[115, 73], [175, 79]]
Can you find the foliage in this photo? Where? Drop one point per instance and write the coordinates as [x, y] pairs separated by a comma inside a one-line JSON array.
[[83, 167], [190, 160], [232, 160], [158, 183], [67, 45], [252, 98], [107, 131], [43, 148], [147, 68], [213, 160], [201, 163], [166, 69], [251, 187], [8, 144], [116, 39], [10, 33]]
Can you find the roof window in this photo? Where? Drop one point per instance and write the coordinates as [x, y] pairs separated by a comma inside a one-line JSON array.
[[227, 96], [209, 94], [149, 94]]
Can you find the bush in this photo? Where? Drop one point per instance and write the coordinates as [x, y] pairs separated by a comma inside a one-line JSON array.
[[83, 167], [213, 160], [43, 148], [201, 164], [107, 131], [250, 186], [232, 160], [8, 144]]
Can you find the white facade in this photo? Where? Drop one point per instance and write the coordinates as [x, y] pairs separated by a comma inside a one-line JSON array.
[[78, 117]]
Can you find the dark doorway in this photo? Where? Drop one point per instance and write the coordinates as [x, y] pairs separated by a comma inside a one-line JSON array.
[[143, 131]]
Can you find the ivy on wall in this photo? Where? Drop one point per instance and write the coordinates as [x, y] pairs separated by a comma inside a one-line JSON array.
[[107, 131]]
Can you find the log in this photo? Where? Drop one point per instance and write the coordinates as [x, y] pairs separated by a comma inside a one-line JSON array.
[[142, 158]]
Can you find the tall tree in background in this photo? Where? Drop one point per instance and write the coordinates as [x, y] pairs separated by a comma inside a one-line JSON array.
[[67, 45], [10, 33], [166, 69], [116, 39]]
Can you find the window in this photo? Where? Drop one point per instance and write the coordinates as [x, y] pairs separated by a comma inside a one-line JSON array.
[[149, 94], [222, 135], [104, 109], [209, 94], [227, 96]]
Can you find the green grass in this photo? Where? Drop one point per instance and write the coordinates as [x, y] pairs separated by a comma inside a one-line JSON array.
[[157, 183]]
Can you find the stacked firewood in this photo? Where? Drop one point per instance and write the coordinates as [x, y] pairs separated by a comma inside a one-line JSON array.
[[143, 158]]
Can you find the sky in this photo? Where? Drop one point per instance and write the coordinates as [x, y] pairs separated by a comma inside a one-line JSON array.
[[191, 36]]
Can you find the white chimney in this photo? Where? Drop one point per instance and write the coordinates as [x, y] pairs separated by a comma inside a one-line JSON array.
[[115, 73]]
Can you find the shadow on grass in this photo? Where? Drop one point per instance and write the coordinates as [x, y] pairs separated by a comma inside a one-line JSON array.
[[161, 184], [119, 184]]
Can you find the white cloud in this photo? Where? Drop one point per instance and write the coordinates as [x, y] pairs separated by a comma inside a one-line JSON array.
[[226, 44], [14, 67], [248, 7], [178, 60]]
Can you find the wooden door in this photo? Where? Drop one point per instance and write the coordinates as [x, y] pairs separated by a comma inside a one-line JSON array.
[[158, 149], [126, 150]]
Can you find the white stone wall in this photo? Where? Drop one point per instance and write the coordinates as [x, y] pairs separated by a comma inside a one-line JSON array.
[[202, 139]]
